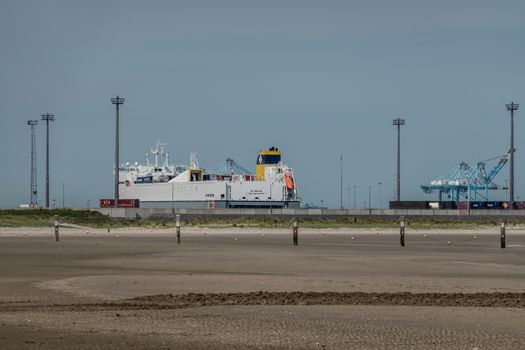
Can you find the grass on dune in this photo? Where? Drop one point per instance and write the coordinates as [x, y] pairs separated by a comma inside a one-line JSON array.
[[91, 218], [44, 217]]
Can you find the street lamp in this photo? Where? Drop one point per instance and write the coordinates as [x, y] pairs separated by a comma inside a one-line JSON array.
[[398, 122], [380, 184], [34, 198], [355, 196], [117, 101], [369, 196], [47, 118], [511, 107], [341, 184]]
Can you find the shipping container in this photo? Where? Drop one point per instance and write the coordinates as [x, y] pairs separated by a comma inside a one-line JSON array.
[[462, 205], [477, 205], [433, 205], [128, 203], [493, 205], [122, 203], [447, 205], [409, 205], [107, 203], [519, 205]]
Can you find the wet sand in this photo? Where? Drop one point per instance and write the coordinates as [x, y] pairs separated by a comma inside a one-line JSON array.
[[128, 288]]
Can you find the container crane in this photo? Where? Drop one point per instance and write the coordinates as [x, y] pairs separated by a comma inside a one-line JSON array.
[[466, 180]]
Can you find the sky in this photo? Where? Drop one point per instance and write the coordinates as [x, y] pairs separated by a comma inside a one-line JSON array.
[[227, 78]]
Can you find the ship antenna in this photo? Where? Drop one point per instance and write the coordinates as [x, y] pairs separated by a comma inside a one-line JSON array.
[[155, 151], [194, 162]]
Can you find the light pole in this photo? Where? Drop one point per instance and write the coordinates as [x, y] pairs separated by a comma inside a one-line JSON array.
[[341, 184], [117, 101], [398, 122], [512, 107], [506, 190], [355, 196], [48, 118], [34, 198], [380, 184], [468, 195], [369, 196]]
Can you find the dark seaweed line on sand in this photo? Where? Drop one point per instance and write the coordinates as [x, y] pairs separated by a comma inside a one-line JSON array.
[[171, 301], [335, 298]]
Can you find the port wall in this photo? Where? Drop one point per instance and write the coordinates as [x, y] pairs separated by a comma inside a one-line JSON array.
[[373, 214]]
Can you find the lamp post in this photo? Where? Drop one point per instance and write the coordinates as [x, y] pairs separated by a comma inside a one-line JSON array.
[[380, 184], [355, 196], [341, 184], [47, 118], [369, 197], [398, 122], [468, 195], [34, 198], [511, 107], [117, 101]]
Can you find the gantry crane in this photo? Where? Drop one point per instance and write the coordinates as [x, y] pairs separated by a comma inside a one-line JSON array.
[[466, 180]]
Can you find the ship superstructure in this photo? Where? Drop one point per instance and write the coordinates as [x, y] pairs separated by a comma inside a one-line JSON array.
[[228, 186]]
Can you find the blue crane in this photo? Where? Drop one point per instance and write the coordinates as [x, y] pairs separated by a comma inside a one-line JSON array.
[[466, 180], [230, 167]]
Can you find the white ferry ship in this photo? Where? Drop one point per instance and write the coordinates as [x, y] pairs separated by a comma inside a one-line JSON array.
[[162, 185]]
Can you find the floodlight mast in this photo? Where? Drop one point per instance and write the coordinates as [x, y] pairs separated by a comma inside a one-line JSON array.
[[511, 107], [34, 199], [117, 101], [47, 118], [398, 122]]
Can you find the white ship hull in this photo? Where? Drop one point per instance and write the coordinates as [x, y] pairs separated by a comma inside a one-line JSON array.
[[209, 194]]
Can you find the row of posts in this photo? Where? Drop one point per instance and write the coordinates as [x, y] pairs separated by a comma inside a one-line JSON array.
[[402, 233], [295, 231]]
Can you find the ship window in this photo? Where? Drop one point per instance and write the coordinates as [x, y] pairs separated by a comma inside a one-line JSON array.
[[243, 197], [222, 195], [256, 197]]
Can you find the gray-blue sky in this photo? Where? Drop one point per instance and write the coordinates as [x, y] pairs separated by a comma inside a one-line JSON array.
[[226, 78]]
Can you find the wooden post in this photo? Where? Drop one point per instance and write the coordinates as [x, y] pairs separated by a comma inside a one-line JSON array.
[[295, 232], [402, 231], [177, 227], [502, 235], [55, 225]]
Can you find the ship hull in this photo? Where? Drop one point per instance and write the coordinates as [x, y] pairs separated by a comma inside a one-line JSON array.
[[219, 204], [210, 194]]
